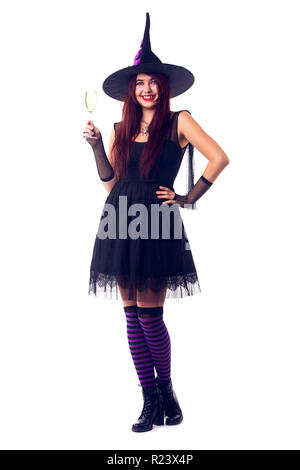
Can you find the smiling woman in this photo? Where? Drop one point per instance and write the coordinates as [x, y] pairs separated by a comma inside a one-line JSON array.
[[141, 249]]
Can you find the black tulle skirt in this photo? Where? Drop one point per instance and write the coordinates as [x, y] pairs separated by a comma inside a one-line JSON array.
[[141, 249]]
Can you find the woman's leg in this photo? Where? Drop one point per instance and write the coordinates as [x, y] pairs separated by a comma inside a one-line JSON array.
[[150, 307], [125, 294], [159, 344], [157, 339], [140, 353]]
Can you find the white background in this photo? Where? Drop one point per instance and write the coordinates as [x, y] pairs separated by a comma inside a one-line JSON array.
[[67, 377]]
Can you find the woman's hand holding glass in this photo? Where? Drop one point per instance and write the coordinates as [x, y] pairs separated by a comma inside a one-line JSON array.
[[91, 133]]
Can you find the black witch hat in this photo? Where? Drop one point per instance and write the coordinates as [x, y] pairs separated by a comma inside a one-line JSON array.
[[145, 61]]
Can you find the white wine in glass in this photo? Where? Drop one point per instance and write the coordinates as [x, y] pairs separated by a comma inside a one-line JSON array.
[[90, 103]]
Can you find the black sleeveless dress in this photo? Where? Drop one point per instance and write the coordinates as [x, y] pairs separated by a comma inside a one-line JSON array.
[[147, 247]]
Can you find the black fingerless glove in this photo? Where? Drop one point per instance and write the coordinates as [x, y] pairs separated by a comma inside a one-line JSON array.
[[195, 193], [105, 170]]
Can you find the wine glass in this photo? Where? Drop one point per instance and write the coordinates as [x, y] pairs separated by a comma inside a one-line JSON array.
[[90, 103]]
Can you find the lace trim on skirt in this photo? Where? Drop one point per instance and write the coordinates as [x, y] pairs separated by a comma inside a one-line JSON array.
[[177, 286]]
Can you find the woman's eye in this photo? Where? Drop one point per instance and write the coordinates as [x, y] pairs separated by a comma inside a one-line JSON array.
[[139, 83]]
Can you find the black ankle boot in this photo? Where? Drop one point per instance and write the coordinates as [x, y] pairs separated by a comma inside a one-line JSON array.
[[152, 412], [172, 409]]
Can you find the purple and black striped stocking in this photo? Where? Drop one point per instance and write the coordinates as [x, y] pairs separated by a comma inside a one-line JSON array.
[[157, 338], [140, 353]]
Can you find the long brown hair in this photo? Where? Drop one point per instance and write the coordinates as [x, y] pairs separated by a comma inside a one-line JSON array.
[[129, 128]]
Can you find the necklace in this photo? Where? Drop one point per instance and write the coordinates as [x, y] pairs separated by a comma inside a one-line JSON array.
[[145, 130]]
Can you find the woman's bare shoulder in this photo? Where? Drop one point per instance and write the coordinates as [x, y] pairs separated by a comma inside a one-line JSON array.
[[183, 141]]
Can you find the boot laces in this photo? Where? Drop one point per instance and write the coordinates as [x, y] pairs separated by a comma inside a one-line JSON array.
[[147, 409], [149, 402]]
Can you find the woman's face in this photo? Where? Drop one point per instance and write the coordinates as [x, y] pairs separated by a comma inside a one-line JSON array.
[[145, 85]]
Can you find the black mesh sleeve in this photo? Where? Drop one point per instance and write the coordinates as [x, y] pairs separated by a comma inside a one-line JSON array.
[[105, 170], [202, 185]]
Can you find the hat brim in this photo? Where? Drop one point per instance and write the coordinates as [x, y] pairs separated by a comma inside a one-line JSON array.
[[116, 84]]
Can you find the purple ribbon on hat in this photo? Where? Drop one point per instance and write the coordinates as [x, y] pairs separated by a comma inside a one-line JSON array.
[[137, 58]]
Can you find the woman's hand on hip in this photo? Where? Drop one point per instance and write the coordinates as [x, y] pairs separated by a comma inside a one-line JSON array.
[[166, 193]]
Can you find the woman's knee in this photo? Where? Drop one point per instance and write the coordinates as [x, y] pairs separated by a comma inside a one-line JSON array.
[[148, 298]]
